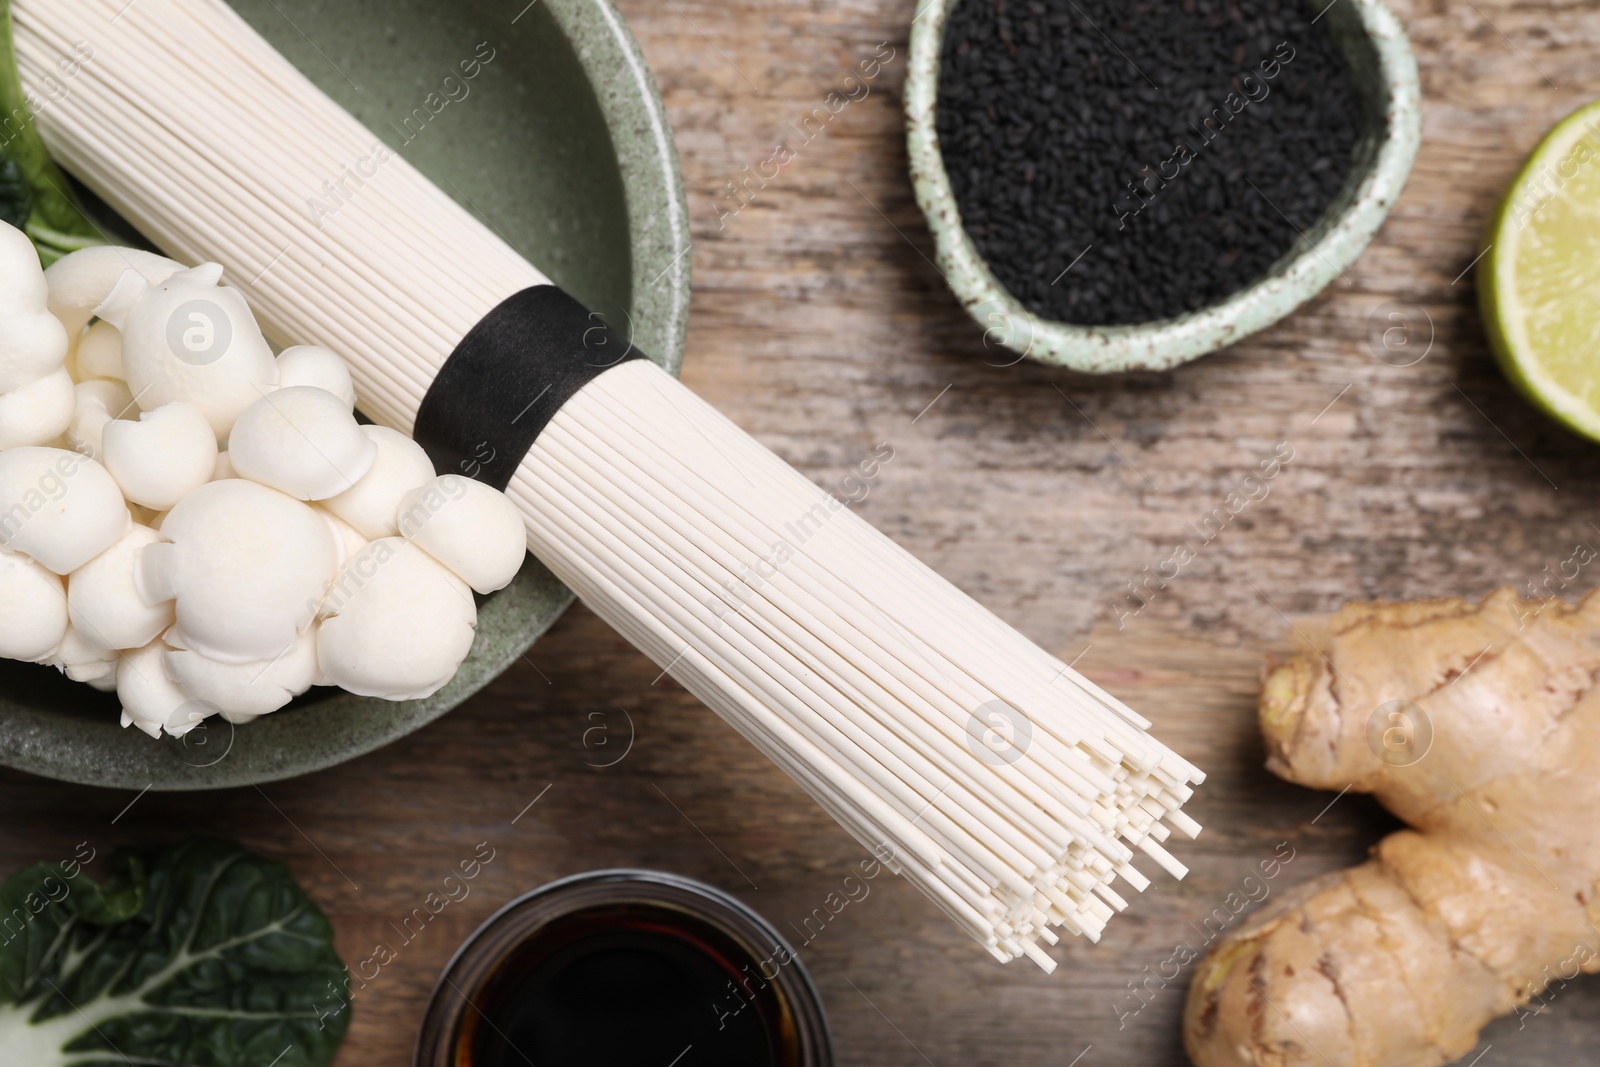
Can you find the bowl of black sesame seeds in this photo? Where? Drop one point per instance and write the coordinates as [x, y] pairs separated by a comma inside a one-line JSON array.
[[1121, 185]]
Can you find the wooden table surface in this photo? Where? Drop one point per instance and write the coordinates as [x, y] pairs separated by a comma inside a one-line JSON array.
[[820, 325]]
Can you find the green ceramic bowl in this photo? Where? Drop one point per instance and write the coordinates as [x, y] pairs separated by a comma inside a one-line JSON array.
[[1375, 44], [563, 143]]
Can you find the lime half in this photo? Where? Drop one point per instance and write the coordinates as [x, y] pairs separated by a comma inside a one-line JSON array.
[[1539, 282]]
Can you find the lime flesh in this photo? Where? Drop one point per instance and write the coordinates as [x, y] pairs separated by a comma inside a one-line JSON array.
[[1539, 281]]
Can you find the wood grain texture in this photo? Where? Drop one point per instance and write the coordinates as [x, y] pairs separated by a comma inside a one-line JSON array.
[[820, 325]]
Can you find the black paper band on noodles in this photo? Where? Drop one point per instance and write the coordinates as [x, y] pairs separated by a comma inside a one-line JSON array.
[[508, 377]]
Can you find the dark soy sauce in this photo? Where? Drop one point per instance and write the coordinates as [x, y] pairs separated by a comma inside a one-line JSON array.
[[625, 985]]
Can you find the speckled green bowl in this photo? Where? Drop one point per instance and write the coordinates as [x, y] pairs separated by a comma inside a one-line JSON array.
[[1386, 77], [563, 144]]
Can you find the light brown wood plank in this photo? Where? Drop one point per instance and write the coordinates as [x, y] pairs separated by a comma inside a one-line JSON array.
[[819, 325]]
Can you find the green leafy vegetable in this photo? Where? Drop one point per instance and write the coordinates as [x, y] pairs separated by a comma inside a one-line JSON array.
[[198, 954], [34, 195]]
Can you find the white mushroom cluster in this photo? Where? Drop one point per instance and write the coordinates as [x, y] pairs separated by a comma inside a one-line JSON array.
[[204, 527]]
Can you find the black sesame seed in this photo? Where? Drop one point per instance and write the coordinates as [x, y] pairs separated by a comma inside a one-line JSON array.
[[1186, 143]]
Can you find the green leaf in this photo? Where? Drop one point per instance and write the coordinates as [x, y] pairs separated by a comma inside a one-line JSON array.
[[33, 926], [34, 195], [116, 899], [16, 202], [198, 954]]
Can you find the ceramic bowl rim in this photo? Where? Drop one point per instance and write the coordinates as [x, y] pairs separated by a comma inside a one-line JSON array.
[[1164, 343]]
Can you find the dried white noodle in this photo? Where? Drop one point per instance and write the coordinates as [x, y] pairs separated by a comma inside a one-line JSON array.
[[860, 672]]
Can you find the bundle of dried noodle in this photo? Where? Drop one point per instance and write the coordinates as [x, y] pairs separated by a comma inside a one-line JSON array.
[[1009, 788]]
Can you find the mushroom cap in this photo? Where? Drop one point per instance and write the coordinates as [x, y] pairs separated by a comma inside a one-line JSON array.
[[61, 508], [472, 528], [188, 338], [346, 536], [399, 466], [150, 699], [99, 353], [32, 341], [33, 609], [84, 661], [19, 266], [32, 345], [245, 690], [37, 412], [95, 403], [103, 602], [401, 624], [303, 441], [318, 366], [79, 281], [247, 565], [157, 460]]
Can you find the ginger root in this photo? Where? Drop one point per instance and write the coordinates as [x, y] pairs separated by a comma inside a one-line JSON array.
[[1487, 901]]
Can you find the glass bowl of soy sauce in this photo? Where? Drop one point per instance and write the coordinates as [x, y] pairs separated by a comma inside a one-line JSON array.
[[625, 967]]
